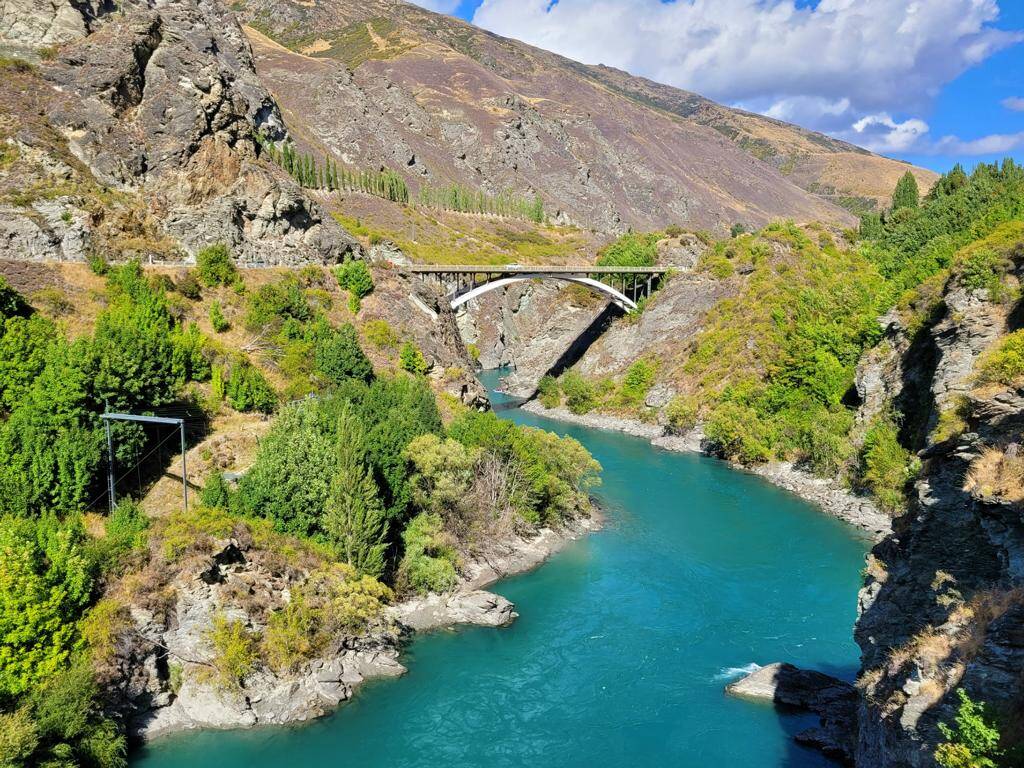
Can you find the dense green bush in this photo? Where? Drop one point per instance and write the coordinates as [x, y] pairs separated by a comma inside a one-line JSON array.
[[973, 742], [411, 359], [886, 466], [216, 492], [430, 561], [353, 519], [214, 266], [217, 319], [631, 250], [354, 276], [637, 382], [271, 305], [549, 392], [558, 472], [246, 389], [580, 395], [338, 356], [45, 584]]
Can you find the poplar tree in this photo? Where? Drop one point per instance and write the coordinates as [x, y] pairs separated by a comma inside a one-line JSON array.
[[353, 518]]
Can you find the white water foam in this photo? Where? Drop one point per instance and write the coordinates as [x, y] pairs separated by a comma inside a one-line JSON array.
[[732, 673]]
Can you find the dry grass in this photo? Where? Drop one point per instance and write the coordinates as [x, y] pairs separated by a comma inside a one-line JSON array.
[[978, 613], [996, 475]]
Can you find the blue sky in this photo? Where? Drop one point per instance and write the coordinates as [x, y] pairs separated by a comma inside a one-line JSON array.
[[934, 82]]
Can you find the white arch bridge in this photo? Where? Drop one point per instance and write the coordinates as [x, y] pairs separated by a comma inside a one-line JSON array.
[[463, 282]]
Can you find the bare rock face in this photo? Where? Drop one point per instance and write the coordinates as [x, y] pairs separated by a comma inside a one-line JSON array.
[[531, 327], [477, 607], [41, 23], [163, 105], [833, 700]]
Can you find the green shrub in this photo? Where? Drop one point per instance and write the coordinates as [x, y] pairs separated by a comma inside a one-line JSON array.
[[1005, 364], [189, 287], [216, 492], [338, 356], [738, 433], [974, 742], [70, 723], [580, 396], [19, 737], [46, 583], [354, 276], [98, 265], [217, 319], [12, 303], [430, 561], [886, 466], [247, 390], [234, 652], [549, 393], [271, 305], [380, 334], [637, 382], [411, 359], [681, 413], [214, 266], [631, 250]]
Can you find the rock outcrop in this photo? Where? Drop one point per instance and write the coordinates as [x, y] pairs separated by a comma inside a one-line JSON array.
[[152, 113], [943, 600], [162, 676], [834, 701]]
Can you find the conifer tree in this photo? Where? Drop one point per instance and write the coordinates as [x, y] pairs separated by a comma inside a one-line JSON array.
[[353, 518], [906, 193]]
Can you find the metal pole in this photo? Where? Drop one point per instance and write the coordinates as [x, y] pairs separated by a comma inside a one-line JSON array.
[[110, 466], [184, 470]]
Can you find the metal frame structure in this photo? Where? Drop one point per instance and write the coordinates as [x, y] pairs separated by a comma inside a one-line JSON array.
[[465, 282], [180, 423]]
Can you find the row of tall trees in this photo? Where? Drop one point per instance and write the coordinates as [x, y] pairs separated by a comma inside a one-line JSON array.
[[327, 175], [465, 200], [311, 173]]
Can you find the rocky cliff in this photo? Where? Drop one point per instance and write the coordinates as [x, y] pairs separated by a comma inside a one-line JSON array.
[[134, 134], [943, 601]]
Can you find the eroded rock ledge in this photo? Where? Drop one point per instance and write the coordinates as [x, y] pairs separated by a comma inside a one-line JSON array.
[[834, 701], [158, 701]]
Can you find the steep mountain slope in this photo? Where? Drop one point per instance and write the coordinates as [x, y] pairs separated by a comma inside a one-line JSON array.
[[387, 83]]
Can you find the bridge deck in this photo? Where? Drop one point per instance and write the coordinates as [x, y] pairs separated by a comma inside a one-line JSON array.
[[494, 269]]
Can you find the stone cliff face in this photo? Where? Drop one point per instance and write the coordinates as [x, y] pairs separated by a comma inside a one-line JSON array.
[[532, 328], [943, 601], [136, 137]]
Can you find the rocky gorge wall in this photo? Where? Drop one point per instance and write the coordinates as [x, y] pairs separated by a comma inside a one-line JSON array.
[[942, 606]]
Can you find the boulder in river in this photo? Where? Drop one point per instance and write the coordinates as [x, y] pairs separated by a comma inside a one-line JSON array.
[[834, 701]]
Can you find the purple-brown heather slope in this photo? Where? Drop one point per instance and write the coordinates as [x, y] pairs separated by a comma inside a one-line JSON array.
[[382, 82]]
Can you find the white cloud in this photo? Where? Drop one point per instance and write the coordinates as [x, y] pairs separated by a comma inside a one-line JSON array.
[[441, 6], [828, 67], [995, 144], [883, 134], [1016, 103]]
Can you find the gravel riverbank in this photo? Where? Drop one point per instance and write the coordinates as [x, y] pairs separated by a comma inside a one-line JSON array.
[[828, 495]]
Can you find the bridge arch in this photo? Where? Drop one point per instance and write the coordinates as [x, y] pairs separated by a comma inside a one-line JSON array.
[[617, 297]]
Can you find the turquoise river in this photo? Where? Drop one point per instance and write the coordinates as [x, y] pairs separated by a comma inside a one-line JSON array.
[[623, 645]]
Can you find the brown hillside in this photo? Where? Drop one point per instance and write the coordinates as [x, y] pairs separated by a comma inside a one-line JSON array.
[[381, 82]]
